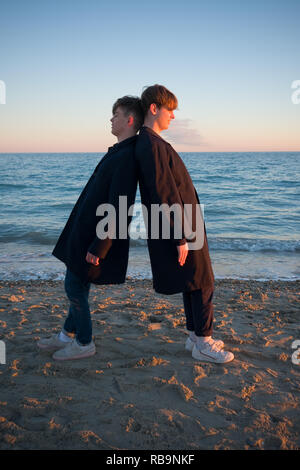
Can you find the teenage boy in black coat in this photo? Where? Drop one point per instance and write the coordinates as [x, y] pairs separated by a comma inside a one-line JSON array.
[[180, 263], [88, 257]]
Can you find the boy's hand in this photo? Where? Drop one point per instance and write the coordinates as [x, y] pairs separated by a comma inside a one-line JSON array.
[[92, 259], [182, 253]]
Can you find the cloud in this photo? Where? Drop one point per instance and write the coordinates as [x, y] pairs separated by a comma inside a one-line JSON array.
[[182, 132]]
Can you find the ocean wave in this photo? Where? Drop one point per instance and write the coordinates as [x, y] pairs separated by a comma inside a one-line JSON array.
[[35, 274], [29, 236], [254, 245], [62, 205], [243, 244], [6, 186]]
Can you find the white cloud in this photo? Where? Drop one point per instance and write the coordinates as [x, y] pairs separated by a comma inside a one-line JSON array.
[[182, 132]]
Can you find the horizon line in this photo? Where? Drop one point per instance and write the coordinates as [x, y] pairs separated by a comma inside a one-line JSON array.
[[179, 151]]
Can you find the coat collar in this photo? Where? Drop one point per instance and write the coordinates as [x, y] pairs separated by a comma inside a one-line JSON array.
[[119, 145], [150, 131], [115, 148]]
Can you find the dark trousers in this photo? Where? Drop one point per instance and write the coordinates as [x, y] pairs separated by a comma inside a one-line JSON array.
[[78, 320], [198, 309]]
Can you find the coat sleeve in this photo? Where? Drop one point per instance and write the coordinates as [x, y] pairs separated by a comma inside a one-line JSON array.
[[155, 170], [100, 247], [123, 183]]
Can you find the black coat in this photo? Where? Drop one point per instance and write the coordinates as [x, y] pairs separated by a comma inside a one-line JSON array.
[[114, 176], [164, 179]]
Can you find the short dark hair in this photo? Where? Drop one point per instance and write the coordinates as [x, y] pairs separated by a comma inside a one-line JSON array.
[[131, 105], [159, 95]]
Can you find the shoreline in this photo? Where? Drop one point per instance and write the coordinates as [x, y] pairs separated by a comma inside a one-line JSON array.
[[129, 279], [142, 389]]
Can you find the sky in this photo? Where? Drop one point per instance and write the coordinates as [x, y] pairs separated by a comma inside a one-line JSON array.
[[231, 64]]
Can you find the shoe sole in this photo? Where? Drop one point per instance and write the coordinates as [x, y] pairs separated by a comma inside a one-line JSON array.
[[80, 356], [205, 358], [45, 347], [189, 347]]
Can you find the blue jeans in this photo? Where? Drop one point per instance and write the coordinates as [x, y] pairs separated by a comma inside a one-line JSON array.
[[78, 320]]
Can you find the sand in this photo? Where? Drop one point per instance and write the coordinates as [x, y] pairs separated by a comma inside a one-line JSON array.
[[142, 389]]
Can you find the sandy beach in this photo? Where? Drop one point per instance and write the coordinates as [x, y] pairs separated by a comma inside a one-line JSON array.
[[142, 389]]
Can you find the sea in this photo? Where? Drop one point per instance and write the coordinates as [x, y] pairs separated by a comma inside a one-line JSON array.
[[250, 202]]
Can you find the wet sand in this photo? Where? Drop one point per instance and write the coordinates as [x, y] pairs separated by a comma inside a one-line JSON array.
[[142, 389]]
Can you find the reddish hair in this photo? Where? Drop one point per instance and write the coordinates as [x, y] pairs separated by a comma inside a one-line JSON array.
[[159, 95]]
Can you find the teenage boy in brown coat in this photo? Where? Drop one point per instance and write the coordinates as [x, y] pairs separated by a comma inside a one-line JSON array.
[[178, 264]]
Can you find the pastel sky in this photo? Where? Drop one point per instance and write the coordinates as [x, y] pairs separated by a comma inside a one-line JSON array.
[[231, 63]]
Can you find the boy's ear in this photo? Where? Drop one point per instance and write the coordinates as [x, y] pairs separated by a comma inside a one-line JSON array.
[[153, 108], [130, 121]]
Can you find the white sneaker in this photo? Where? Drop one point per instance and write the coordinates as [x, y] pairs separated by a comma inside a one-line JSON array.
[[74, 350], [211, 353], [189, 344], [51, 344]]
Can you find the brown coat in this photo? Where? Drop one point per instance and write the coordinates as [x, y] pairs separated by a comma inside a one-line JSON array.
[[163, 178]]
